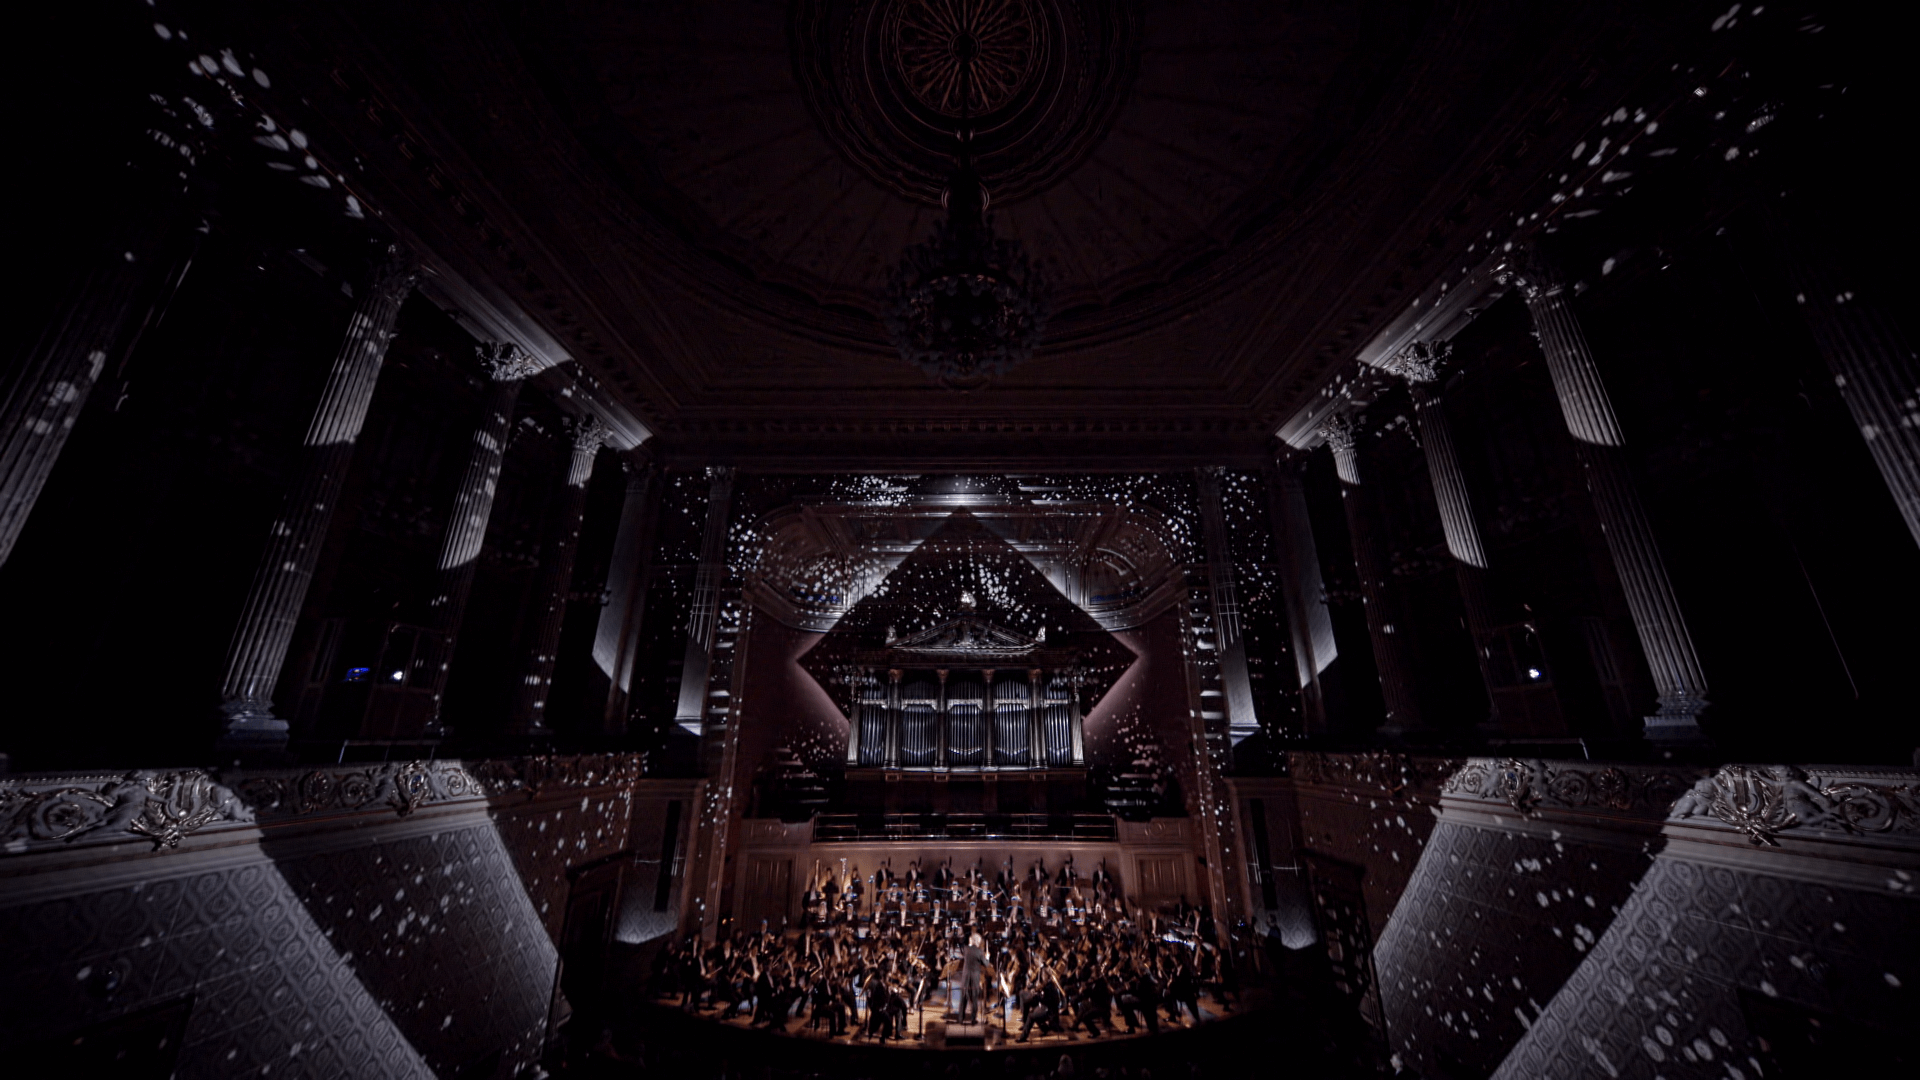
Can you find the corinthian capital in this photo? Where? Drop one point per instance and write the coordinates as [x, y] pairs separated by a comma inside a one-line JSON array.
[[590, 434], [1341, 431], [1528, 269], [395, 274], [639, 463], [1422, 361], [506, 362]]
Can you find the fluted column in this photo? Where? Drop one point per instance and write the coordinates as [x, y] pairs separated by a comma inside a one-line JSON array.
[[508, 367], [1421, 365], [529, 716], [616, 640], [43, 391], [260, 641], [1386, 625], [1229, 646], [1308, 623], [1588, 411], [703, 620], [1866, 351]]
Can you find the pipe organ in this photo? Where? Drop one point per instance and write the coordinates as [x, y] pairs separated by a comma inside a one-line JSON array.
[[966, 695]]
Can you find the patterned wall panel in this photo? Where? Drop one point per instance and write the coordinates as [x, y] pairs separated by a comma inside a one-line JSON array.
[[441, 932], [272, 994], [1660, 995], [1490, 926], [390, 920], [1528, 864], [1778, 892], [1374, 811]]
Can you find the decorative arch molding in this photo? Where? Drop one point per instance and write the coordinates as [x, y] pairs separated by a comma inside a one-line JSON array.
[[807, 566]]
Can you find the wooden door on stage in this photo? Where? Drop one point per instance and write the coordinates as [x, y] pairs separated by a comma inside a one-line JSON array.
[[769, 892]]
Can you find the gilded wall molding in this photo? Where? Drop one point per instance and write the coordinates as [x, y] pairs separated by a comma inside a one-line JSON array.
[[160, 807], [163, 807], [1763, 802], [1530, 786], [1377, 774]]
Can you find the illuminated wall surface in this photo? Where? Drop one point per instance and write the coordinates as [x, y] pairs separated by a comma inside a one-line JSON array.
[[500, 379], [1535, 919], [308, 927], [1518, 918]]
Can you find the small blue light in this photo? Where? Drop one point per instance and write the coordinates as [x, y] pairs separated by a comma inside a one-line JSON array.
[[356, 674]]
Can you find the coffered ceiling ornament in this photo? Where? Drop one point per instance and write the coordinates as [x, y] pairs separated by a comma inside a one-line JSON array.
[[882, 78]]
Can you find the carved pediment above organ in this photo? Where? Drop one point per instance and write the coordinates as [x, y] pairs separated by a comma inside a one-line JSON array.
[[968, 636]]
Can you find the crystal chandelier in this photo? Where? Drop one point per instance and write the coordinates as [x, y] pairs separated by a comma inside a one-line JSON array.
[[965, 306]]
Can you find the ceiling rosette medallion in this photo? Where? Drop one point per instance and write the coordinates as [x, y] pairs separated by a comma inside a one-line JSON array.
[[882, 78], [994, 47]]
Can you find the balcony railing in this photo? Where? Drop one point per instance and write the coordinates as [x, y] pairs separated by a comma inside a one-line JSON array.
[[828, 827]]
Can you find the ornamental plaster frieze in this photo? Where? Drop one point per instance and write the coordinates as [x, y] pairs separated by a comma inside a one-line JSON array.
[[1760, 803], [163, 807], [1843, 825], [1373, 775], [1831, 826], [1602, 804], [403, 787], [1534, 787], [1769, 806]]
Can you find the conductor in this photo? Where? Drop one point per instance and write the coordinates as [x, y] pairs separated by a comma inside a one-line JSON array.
[[973, 962]]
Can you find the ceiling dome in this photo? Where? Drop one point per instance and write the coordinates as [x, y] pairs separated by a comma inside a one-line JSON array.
[[803, 147], [708, 201]]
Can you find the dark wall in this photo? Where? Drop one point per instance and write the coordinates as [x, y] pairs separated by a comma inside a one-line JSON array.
[[123, 590], [1352, 682]]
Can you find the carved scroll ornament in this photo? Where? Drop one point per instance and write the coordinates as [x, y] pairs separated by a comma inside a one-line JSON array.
[[1530, 785], [1763, 801], [163, 807]]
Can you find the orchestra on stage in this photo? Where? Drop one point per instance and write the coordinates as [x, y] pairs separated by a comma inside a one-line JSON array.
[[1037, 953]]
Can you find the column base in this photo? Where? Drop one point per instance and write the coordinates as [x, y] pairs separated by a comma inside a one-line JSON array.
[[1410, 738], [1677, 725], [528, 740], [251, 731]]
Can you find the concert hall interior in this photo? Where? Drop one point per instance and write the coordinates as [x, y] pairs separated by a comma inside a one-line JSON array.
[[788, 539]]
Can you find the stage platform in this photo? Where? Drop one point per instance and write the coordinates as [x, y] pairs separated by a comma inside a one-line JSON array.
[[1290, 1024], [933, 1027], [657, 1040]]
